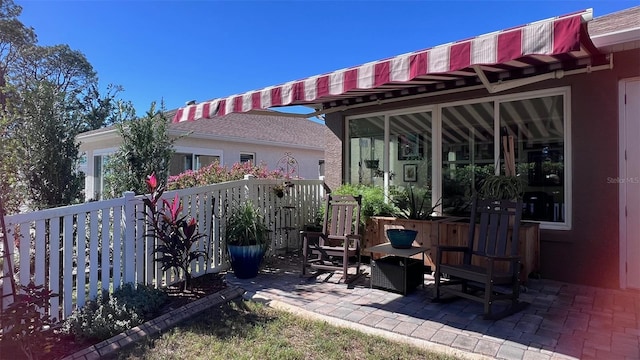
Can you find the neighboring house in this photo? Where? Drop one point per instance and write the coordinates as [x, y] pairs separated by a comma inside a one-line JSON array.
[[567, 90], [228, 139]]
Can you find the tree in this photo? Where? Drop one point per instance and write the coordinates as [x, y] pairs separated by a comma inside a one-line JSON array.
[[68, 70], [48, 95], [146, 149], [104, 110], [45, 135], [14, 36], [12, 189]]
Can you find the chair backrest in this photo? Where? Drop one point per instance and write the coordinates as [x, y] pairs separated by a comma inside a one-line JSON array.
[[342, 215], [497, 224]]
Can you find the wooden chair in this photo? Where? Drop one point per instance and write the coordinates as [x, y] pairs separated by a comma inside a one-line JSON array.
[[492, 247], [339, 240]]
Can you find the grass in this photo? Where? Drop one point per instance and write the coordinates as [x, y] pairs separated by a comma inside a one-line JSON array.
[[248, 330]]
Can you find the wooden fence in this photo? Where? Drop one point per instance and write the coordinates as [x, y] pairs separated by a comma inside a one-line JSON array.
[[78, 250]]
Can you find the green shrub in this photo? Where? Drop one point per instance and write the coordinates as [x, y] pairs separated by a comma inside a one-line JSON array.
[[111, 314], [373, 200]]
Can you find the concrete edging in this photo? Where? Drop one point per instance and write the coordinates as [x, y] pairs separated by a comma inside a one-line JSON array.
[[422, 344]]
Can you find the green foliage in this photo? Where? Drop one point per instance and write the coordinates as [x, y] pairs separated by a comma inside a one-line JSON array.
[[44, 128], [106, 109], [373, 200], [459, 185], [66, 69], [502, 187], [146, 149], [216, 173], [48, 94], [413, 202], [175, 234], [24, 323], [111, 314], [14, 35], [13, 192], [245, 225]]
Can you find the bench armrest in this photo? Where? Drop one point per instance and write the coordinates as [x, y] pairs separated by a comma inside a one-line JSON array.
[[442, 248], [502, 258]]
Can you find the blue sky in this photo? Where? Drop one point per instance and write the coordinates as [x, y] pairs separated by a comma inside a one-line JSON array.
[[183, 50]]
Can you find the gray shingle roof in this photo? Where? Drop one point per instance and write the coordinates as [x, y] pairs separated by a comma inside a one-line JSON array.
[[249, 127], [288, 130], [616, 21]]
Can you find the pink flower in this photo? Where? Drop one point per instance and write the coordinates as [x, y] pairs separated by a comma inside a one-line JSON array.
[[152, 182]]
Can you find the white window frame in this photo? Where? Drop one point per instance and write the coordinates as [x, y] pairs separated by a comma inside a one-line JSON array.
[[195, 151], [253, 155], [98, 152], [436, 127]]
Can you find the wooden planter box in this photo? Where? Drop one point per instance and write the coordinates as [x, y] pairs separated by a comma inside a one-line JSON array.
[[455, 232], [374, 233]]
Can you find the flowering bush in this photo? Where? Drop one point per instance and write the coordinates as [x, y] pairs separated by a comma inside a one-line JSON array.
[[216, 173], [175, 233]]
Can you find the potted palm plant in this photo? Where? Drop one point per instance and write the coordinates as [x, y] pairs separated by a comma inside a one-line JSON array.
[[247, 239]]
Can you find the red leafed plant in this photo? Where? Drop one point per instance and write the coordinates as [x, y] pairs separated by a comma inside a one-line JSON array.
[[176, 234], [25, 321]]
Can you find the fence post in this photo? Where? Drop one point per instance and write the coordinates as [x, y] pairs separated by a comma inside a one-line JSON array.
[[129, 222], [249, 188]]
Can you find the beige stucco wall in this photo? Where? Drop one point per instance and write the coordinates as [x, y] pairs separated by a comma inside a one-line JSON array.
[[589, 252], [268, 153]]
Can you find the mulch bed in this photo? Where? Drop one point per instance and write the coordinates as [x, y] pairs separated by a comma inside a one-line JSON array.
[[63, 345]]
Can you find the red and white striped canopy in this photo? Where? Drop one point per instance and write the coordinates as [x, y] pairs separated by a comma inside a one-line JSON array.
[[562, 39]]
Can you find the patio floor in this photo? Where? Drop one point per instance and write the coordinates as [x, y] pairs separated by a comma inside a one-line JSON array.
[[563, 321]]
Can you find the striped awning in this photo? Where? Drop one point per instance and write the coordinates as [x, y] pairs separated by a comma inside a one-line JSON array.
[[541, 47]]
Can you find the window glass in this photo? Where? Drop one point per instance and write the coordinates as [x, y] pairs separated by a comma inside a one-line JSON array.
[[410, 150], [366, 151], [180, 162], [537, 128], [99, 172], [205, 160], [247, 158], [467, 154]]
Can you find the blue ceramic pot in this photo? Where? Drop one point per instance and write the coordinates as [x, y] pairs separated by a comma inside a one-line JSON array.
[[401, 238], [246, 260]]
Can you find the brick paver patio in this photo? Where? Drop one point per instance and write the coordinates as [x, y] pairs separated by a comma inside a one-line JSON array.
[[563, 321]]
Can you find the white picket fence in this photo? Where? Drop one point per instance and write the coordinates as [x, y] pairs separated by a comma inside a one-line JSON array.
[[78, 250]]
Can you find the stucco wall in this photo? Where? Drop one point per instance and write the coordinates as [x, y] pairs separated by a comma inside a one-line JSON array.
[[230, 151], [589, 252]]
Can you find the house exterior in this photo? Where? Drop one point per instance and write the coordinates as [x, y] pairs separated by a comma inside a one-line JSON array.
[[565, 91], [228, 139]]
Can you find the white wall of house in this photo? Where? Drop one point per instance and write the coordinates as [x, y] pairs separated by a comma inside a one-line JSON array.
[[228, 150]]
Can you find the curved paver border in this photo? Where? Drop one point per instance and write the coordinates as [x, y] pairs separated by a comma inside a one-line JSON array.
[[422, 344], [156, 325]]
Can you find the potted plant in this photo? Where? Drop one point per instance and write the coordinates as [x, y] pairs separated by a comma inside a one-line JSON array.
[[279, 189], [413, 204], [502, 187], [508, 186], [247, 239]]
